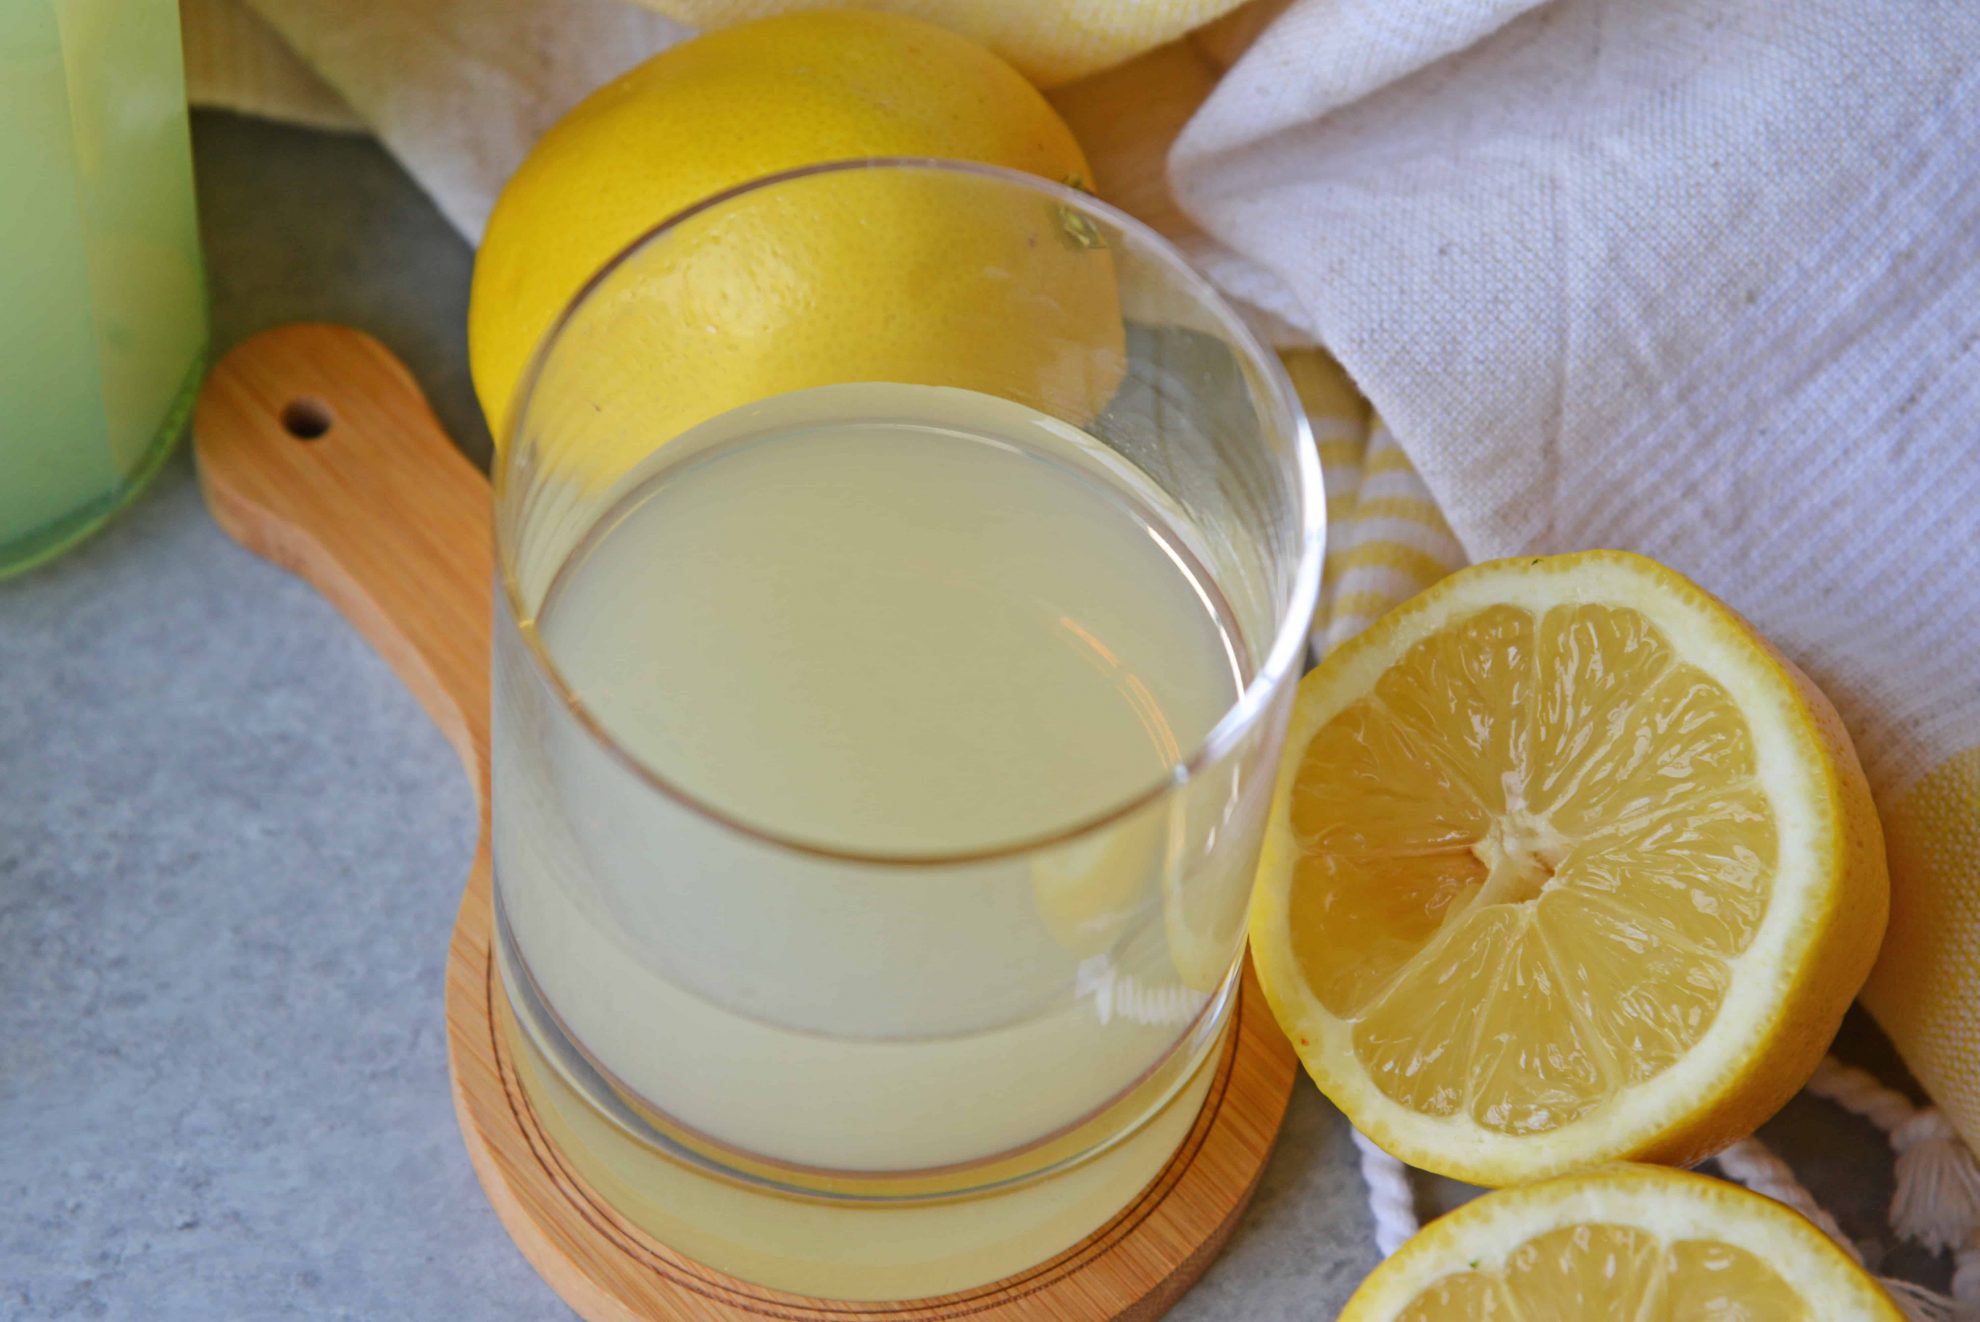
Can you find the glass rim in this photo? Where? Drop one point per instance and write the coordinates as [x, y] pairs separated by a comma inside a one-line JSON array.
[[1239, 718]]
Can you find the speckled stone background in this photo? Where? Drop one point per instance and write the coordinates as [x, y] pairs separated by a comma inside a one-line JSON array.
[[230, 851]]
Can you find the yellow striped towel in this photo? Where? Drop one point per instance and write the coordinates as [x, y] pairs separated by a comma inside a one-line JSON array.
[[1386, 538]]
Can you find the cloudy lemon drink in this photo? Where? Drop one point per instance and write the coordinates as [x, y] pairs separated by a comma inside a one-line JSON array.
[[884, 706], [894, 621], [102, 306]]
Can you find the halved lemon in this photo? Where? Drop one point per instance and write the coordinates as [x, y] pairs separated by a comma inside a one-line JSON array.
[[1566, 866], [1624, 1242]]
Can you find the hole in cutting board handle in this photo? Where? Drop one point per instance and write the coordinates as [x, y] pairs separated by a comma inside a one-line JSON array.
[[306, 419]]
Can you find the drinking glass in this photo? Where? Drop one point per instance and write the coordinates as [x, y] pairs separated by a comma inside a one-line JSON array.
[[102, 303], [816, 506]]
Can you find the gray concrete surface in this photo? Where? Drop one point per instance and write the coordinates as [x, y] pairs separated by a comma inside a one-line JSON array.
[[230, 851]]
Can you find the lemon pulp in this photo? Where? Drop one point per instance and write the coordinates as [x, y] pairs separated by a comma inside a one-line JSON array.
[[1623, 1242], [1528, 860], [1586, 1270]]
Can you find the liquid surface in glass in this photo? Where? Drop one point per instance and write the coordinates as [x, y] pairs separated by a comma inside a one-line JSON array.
[[878, 620], [893, 638]]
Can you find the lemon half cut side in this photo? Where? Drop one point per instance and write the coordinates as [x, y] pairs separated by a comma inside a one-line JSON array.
[[1566, 865]]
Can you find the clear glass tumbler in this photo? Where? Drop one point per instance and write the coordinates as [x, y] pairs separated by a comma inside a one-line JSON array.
[[905, 566], [102, 302]]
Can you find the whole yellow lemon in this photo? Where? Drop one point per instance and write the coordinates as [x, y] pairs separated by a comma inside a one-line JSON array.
[[861, 275]]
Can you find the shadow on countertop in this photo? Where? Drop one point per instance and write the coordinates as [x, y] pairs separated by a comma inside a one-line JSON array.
[[307, 226]]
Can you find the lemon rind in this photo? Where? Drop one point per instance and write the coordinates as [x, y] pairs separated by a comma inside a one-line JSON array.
[[1648, 1119]]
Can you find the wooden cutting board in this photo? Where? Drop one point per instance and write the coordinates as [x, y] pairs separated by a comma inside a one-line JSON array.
[[317, 450]]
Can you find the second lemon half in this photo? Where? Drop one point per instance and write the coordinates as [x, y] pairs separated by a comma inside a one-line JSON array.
[[1566, 866]]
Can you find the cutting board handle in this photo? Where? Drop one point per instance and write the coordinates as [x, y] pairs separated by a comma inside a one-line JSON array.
[[317, 450]]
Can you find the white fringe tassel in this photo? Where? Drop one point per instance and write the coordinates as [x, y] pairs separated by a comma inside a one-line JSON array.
[[1754, 1165], [1937, 1198], [1936, 1201], [1391, 1199], [1966, 1274], [1922, 1305]]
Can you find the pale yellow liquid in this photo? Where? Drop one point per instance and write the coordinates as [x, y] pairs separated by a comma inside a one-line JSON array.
[[878, 621], [102, 306]]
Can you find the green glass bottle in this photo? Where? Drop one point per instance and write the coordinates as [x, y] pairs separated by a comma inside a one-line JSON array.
[[103, 327]]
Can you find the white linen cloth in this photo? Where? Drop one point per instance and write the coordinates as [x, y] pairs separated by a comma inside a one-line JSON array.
[[458, 90], [1697, 278]]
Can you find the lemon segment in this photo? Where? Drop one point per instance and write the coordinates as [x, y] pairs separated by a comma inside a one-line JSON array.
[[1627, 1242], [1566, 866]]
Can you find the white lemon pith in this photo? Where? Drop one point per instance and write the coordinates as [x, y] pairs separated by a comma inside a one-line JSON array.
[[1565, 866], [1621, 1242]]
